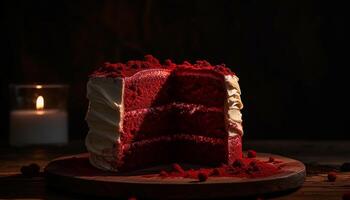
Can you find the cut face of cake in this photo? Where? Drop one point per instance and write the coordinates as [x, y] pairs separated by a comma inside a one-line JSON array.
[[144, 113]]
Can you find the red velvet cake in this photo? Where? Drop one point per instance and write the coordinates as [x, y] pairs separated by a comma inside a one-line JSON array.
[[144, 113]]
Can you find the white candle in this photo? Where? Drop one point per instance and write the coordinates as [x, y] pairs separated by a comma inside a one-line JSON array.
[[41, 126]]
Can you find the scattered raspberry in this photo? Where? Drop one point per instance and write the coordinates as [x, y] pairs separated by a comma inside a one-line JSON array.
[[332, 176], [271, 159], [202, 176], [238, 163], [346, 196], [163, 173], [30, 170], [345, 167], [251, 154], [178, 168]]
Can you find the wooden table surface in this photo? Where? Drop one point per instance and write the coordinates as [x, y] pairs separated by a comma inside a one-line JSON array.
[[320, 157]]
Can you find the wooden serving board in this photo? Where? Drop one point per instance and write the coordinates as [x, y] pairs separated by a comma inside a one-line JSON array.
[[75, 174]]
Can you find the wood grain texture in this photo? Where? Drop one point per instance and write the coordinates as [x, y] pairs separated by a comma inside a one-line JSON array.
[[76, 175]]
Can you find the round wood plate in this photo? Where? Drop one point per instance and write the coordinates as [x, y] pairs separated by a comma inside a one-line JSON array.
[[75, 174]]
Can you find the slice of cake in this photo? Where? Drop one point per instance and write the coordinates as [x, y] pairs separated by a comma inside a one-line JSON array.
[[144, 113]]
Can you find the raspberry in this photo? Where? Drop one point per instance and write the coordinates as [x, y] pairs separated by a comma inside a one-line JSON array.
[[202, 176], [178, 168], [271, 159], [30, 170], [251, 154], [332, 176], [238, 163]]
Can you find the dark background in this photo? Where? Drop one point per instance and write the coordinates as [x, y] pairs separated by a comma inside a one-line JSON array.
[[291, 56]]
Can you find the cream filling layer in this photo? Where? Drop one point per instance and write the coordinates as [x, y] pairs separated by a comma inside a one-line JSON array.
[[103, 118], [233, 106]]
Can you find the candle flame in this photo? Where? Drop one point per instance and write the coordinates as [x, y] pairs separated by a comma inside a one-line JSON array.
[[40, 103]]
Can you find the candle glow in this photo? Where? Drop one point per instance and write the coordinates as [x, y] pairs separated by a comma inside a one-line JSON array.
[[40, 103], [43, 118]]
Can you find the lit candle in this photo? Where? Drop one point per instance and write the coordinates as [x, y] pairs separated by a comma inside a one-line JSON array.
[[40, 126]]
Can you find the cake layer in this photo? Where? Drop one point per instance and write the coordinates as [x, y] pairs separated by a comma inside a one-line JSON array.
[[198, 87], [147, 89], [182, 148], [173, 118], [206, 121], [156, 87]]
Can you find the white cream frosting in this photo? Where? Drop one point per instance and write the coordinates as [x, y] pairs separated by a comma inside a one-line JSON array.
[[106, 108], [103, 118], [233, 106]]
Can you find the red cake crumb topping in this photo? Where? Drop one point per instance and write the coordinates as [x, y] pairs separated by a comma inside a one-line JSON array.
[[115, 70], [271, 159], [251, 154], [332, 176], [178, 168], [163, 173], [246, 167]]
